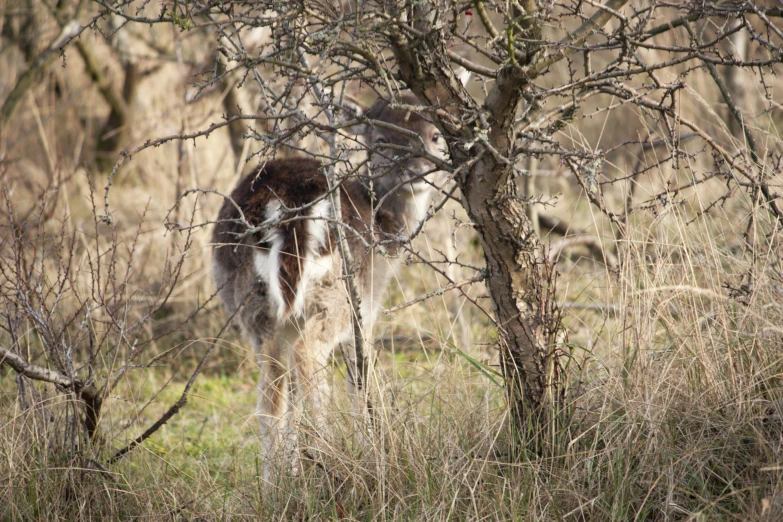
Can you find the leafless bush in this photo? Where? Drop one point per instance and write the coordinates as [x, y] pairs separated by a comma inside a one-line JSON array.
[[76, 321], [611, 60]]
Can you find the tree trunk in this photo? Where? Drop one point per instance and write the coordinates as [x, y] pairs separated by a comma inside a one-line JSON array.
[[735, 77], [517, 282], [516, 279]]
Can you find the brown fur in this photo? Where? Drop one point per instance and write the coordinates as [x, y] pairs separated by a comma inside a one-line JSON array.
[[294, 182]]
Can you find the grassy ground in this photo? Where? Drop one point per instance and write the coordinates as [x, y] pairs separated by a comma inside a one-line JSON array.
[[674, 396], [676, 416]]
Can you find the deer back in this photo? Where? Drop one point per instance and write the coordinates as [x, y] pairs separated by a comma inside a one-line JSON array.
[[274, 229]]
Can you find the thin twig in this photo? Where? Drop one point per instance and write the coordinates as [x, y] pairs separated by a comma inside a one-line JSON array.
[[183, 399], [440, 291]]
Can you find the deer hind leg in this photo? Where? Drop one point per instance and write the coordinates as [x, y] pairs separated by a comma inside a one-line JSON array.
[[273, 401], [259, 325], [309, 355]]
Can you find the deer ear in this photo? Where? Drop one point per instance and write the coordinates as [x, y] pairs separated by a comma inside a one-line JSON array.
[[352, 109]]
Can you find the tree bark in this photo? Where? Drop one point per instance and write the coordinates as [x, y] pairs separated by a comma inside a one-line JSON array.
[[518, 283], [735, 77], [92, 397], [511, 248]]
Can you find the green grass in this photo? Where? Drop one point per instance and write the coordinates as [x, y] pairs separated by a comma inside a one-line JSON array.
[[640, 447]]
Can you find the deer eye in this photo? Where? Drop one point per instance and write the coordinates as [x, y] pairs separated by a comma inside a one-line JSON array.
[[381, 141], [436, 137]]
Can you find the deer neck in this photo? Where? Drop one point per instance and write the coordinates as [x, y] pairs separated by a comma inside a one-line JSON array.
[[400, 211]]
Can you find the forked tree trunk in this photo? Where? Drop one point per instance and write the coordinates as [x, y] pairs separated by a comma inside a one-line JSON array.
[[482, 154], [515, 277]]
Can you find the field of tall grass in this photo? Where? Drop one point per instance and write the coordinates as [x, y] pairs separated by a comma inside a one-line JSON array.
[[673, 346]]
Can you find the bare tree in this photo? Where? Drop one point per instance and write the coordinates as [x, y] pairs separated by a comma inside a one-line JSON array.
[[610, 57]]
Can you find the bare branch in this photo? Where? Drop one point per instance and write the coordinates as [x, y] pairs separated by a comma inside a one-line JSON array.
[[569, 44], [91, 396], [434, 293]]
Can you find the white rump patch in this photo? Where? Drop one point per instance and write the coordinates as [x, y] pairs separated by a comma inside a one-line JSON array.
[[267, 262], [314, 266], [318, 229]]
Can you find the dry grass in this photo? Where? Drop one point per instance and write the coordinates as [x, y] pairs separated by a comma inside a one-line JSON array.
[[676, 414]]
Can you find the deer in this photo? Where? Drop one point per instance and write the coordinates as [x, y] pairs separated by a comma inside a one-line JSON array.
[[281, 275]]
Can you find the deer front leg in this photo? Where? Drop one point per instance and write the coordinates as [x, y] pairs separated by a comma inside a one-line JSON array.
[[311, 360]]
